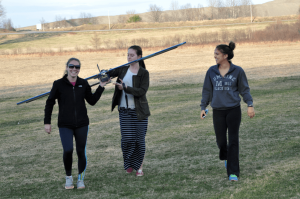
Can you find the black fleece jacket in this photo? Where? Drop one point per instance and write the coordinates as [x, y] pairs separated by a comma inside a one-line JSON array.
[[72, 109]]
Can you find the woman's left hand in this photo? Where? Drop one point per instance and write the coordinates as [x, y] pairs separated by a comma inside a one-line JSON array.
[[120, 86], [102, 84], [251, 112]]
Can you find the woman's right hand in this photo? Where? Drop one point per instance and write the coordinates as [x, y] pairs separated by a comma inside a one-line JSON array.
[[202, 114], [48, 128]]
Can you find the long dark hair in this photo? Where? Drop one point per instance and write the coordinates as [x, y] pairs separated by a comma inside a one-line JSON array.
[[72, 58], [139, 52], [227, 49]]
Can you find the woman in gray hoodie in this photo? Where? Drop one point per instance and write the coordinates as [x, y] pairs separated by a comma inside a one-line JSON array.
[[223, 84]]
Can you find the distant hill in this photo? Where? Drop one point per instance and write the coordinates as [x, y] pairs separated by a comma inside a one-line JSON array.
[[278, 8], [269, 9]]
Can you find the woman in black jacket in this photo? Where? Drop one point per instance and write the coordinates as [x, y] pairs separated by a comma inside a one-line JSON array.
[[71, 92], [130, 96]]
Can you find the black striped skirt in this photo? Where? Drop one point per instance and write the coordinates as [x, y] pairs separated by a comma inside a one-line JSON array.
[[133, 133]]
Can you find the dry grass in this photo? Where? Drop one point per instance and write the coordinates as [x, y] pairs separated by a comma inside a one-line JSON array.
[[174, 24], [185, 64], [63, 43]]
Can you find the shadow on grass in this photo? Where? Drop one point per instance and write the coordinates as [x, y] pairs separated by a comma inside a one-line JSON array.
[[6, 99], [21, 122], [31, 37]]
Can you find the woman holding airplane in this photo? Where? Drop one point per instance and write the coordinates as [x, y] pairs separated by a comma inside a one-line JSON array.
[[130, 96], [71, 92]]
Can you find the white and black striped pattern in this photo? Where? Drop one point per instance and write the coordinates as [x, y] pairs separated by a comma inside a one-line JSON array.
[[133, 133]]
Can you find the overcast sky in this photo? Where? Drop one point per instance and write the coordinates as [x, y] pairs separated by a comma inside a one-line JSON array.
[[30, 12]]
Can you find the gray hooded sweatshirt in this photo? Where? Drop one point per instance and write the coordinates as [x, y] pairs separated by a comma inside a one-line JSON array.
[[223, 92]]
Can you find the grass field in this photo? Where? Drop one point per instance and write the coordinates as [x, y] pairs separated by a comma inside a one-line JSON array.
[[181, 157]]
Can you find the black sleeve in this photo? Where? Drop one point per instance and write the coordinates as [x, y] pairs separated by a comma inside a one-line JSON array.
[[91, 98], [114, 73], [50, 103]]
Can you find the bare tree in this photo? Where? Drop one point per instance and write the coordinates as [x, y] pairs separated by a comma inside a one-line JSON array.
[[165, 17], [2, 10], [155, 12], [72, 22], [8, 25], [212, 4], [64, 22], [43, 23], [85, 18], [186, 12], [95, 41], [122, 19], [199, 12], [244, 8], [94, 20], [130, 13], [220, 10], [232, 8], [175, 14], [57, 22], [2, 14]]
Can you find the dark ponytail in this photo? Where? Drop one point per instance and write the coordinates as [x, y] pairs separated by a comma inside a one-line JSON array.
[[227, 49], [139, 52]]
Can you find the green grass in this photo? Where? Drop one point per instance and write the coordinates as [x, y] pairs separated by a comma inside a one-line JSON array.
[[181, 157]]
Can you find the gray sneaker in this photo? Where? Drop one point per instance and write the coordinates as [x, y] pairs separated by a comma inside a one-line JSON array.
[[69, 182], [80, 184]]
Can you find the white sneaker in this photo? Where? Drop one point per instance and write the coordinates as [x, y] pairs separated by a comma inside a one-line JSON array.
[[80, 184], [139, 173], [69, 182]]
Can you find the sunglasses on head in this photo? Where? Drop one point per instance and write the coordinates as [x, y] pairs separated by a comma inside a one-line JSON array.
[[72, 66]]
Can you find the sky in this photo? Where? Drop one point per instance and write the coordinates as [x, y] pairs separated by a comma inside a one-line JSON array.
[[30, 12]]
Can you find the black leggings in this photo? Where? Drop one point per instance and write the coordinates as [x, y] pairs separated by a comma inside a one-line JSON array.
[[66, 136], [228, 119]]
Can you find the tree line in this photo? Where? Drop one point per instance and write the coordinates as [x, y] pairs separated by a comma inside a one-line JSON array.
[[5, 23], [217, 9], [63, 22]]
